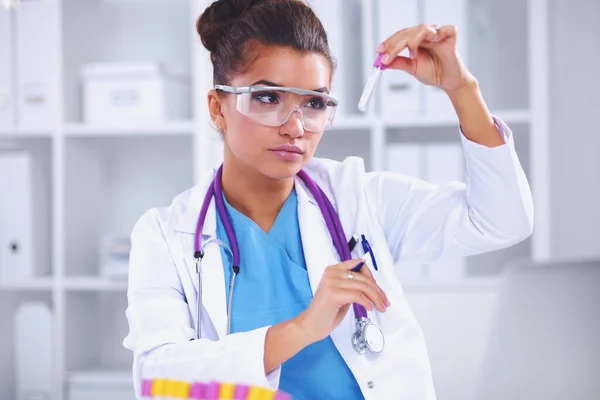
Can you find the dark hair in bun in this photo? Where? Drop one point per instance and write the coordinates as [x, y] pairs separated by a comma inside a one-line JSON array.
[[227, 27]]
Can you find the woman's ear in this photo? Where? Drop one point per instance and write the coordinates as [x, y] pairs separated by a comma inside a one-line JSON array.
[[215, 109]]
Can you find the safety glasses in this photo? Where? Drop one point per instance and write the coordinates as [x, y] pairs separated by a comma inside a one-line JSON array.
[[274, 105]]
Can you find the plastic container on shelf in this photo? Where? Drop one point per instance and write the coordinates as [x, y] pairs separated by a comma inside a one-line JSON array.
[[134, 93]]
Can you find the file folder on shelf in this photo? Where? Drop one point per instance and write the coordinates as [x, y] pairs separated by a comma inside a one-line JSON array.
[[24, 208], [36, 51], [6, 70]]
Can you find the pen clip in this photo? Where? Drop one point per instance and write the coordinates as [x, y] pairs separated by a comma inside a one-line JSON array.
[[368, 249]]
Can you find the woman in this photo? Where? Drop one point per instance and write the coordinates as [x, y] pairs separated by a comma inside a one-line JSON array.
[[283, 310]]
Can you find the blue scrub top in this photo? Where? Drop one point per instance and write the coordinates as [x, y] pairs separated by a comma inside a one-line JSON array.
[[272, 286]]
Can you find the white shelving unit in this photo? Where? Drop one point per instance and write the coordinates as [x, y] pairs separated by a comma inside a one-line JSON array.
[[104, 177]]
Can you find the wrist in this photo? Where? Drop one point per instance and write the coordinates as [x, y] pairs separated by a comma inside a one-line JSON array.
[[306, 336], [468, 89]]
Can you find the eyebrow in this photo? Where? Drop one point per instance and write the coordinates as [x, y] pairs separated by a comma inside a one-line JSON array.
[[269, 83]]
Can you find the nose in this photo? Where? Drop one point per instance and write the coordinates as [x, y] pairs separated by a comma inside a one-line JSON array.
[[293, 126]]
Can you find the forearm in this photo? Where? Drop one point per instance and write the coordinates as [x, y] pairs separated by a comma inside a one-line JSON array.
[[282, 342], [475, 120]]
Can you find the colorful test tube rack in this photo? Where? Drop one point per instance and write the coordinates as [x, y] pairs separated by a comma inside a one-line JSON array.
[[164, 389]]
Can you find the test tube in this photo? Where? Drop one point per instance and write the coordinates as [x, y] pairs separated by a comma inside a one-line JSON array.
[[212, 390], [260, 393], [378, 69], [226, 391], [241, 392], [147, 388], [180, 390], [159, 389], [282, 396], [198, 391]]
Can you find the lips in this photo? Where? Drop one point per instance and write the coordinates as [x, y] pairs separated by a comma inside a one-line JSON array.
[[289, 148]]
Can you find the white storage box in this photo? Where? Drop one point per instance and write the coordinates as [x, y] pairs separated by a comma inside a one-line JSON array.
[[139, 93], [101, 385]]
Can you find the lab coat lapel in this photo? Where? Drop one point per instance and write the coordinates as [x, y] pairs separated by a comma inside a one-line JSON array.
[[319, 251], [213, 277]]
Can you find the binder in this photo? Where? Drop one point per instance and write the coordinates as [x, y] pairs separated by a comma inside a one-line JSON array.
[[37, 51], [340, 18], [7, 121], [400, 95], [444, 12], [33, 351], [16, 216]]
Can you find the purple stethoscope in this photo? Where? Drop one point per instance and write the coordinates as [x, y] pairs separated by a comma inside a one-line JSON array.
[[368, 336]]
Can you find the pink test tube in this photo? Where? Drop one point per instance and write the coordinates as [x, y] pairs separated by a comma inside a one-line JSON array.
[[241, 392], [282, 396], [212, 391], [198, 391], [378, 68], [147, 388]]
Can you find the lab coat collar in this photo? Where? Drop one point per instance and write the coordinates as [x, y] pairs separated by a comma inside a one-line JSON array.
[[189, 219], [317, 244]]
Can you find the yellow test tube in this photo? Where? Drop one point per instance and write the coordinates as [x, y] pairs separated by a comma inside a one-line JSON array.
[[159, 388], [260, 393], [226, 391], [180, 390]]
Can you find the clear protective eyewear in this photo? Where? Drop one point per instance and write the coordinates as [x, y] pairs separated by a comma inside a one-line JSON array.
[[274, 105]]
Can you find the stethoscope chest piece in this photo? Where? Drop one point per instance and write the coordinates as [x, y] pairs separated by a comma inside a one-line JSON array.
[[368, 336]]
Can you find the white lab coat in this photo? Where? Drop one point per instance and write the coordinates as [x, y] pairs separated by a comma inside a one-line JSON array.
[[404, 219]]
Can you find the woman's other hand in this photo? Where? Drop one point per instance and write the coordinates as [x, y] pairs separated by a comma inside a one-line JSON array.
[[338, 289]]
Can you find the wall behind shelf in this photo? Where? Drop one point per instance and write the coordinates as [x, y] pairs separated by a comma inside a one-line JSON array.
[[574, 138], [111, 182]]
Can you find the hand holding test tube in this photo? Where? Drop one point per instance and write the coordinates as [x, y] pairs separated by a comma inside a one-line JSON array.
[[434, 60]]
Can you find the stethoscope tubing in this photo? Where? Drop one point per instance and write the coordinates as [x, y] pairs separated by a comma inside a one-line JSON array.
[[330, 216]]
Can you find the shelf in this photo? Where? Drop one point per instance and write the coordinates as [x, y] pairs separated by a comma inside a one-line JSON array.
[[18, 133], [167, 128], [450, 119], [36, 284], [94, 284]]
